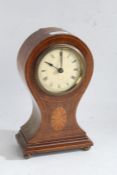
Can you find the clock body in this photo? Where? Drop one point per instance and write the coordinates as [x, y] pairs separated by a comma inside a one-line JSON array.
[[56, 67]]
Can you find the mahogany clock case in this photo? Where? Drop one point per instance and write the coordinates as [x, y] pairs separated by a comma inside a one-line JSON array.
[[52, 125]]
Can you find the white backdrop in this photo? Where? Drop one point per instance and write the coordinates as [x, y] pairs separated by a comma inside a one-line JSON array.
[[95, 22]]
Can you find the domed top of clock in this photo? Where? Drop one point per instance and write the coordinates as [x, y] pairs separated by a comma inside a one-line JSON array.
[[55, 62]]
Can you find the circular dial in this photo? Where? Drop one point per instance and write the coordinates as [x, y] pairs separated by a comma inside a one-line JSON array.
[[60, 69]]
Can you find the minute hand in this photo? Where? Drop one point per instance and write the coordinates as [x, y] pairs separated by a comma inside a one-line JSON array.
[[61, 59], [50, 64]]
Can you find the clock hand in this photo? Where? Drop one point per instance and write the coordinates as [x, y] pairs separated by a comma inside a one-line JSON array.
[[60, 70], [61, 59], [50, 64]]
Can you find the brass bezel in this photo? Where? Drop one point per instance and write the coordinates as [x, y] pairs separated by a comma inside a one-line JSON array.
[[82, 65]]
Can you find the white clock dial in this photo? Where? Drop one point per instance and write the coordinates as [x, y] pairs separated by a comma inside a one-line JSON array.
[[60, 69]]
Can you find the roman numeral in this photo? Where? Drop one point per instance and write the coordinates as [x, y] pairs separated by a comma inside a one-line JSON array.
[[75, 69], [73, 77], [51, 84], [52, 56], [73, 61], [45, 78], [43, 70], [68, 55], [59, 86]]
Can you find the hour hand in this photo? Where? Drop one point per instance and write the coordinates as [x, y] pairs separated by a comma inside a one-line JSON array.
[[50, 64]]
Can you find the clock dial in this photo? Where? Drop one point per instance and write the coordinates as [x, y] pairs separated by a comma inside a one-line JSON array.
[[60, 69]]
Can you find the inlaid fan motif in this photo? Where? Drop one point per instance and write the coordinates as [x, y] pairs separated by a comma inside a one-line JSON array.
[[58, 118]]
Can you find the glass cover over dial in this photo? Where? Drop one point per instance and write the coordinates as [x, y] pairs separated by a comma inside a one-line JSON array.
[[60, 69]]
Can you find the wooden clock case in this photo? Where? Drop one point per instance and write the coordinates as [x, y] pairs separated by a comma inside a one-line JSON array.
[[52, 125]]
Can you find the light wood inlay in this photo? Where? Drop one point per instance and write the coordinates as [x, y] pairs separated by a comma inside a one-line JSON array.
[[59, 119]]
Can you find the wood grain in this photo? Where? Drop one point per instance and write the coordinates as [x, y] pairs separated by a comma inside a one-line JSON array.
[[46, 130]]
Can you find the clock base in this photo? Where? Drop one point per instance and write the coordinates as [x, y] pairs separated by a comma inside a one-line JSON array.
[[81, 142]]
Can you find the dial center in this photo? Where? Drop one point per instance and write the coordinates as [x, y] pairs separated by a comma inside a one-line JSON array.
[[60, 70]]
